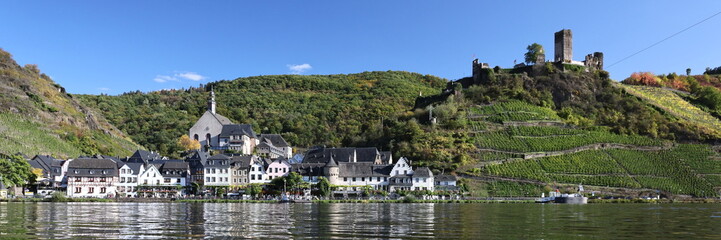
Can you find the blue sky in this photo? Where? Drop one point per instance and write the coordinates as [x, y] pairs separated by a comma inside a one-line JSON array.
[[99, 46]]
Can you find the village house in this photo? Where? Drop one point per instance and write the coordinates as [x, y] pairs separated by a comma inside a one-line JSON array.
[[129, 173], [357, 168], [217, 171], [53, 172], [278, 168], [92, 177], [237, 137], [273, 146], [446, 182]]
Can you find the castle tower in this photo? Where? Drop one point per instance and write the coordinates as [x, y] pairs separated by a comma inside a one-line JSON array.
[[332, 171], [563, 46], [211, 102]]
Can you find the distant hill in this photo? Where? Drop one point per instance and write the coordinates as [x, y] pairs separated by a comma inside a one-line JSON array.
[[38, 117], [332, 110]]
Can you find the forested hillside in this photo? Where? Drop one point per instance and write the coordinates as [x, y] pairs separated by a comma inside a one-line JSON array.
[[38, 117], [333, 110]]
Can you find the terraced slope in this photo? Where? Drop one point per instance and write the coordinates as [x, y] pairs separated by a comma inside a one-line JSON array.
[[530, 151], [673, 104]]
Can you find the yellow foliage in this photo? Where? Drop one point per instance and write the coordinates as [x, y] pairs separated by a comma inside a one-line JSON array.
[[38, 173], [188, 144]]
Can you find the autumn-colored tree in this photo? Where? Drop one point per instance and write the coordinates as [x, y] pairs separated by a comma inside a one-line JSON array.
[[188, 144], [38, 172], [644, 78]]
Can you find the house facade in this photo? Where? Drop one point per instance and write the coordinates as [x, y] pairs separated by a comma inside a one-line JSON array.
[[238, 137], [129, 173], [53, 171], [91, 177], [273, 146]]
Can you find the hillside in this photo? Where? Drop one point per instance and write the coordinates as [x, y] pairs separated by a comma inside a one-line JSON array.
[[538, 128], [332, 110], [38, 117]]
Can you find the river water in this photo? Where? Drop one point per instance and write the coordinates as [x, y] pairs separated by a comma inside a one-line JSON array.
[[358, 221]]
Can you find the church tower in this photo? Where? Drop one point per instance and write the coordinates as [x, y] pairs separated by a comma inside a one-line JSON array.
[[211, 102]]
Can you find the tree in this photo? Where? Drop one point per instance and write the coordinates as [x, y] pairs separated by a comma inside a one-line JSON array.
[[323, 187], [15, 171], [254, 190], [188, 144], [534, 50], [290, 181]]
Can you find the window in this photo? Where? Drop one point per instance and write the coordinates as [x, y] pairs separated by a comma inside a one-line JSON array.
[[345, 179], [145, 181], [105, 171], [91, 179], [363, 179], [354, 179], [102, 179], [91, 189], [78, 179], [207, 179], [122, 179], [102, 190], [167, 180], [177, 180], [78, 190], [212, 179], [157, 182], [76, 171], [252, 177], [135, 179]]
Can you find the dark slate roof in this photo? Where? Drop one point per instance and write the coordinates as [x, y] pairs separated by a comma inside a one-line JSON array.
[[222, 119], [275, 139], [197, 159], [364, 169], [308, 169], [212, 161], [242, 161], [322, 155], [46, 163], [144, 156], [132, 165], [91, 167], [331, 162], [175, 168], [422, 172], [263, 145], [237, 129], [445, 178]]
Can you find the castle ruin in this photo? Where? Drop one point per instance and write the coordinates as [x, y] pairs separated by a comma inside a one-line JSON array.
[[563, 55]]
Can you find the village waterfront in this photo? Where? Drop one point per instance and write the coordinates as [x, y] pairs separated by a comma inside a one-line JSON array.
[[118, 220]]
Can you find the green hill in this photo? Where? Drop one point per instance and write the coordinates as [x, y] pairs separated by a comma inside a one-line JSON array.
[[537, 129], [332, 110], [38, 117]]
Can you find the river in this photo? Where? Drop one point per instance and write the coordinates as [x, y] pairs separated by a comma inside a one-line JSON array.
[[360, 221]]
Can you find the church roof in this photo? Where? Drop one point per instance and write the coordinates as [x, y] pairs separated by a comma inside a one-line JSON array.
[[222, 119]]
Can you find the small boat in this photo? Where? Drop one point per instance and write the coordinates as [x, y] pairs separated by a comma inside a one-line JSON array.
[[571, 199]]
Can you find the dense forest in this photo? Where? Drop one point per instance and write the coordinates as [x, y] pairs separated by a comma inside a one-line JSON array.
[[333, 110]]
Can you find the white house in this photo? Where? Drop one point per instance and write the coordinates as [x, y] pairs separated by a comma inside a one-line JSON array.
[[257, 173], [273, 146], [278, 168], [217, 170], [238, 137], [91, 177], [129, 173]]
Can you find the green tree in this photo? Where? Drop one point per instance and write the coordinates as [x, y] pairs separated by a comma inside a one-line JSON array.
[[323, 187], [254, 190], [291, 181], [534, 50], [16, 171]]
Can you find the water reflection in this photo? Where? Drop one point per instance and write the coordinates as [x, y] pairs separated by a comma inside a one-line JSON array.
[[360, 221]]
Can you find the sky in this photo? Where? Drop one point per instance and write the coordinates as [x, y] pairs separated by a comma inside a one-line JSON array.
[[93, 47]]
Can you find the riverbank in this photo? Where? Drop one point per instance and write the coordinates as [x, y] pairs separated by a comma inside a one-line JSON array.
[[157, 200]]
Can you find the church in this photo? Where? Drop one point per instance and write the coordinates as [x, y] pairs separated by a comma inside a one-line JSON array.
[[217, 132]]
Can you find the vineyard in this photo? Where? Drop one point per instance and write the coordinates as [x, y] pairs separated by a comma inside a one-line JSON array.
[[513, 111], [546, 139], [673, 104], [675, 170]]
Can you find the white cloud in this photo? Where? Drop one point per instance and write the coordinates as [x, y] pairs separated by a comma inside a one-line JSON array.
[[299, 68], [190, 76], [164, 78], [179, 76], [104, 89]]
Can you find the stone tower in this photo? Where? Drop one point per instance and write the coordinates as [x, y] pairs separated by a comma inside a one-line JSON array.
[[211, 102], [563, 46], [332, 171]]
